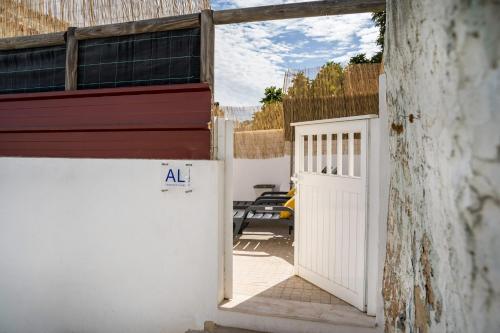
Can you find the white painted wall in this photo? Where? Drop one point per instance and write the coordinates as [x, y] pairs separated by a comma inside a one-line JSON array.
[[249, 172], [90, 245]]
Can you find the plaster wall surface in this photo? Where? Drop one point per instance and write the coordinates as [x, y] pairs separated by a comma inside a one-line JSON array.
[[442, 268], [249, 172], [276, 171], [90, 245]]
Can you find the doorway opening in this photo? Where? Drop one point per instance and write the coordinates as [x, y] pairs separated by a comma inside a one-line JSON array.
[[282, 260]]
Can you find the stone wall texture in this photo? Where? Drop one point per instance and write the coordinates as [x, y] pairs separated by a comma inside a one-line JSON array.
[[442, 268]]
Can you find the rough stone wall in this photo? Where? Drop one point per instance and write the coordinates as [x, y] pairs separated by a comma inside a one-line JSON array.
[[442, 269]]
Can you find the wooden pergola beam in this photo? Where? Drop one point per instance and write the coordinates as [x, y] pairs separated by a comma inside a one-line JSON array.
[[24, 42], [297, 10], [207, 40], [70, 80], [138, 27]]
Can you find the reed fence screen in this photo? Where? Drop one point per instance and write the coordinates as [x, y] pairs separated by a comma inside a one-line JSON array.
[[254, 118], [33, 17], [330, 91], [260, 144]]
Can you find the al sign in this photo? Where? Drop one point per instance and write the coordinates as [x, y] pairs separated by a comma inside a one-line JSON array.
[[176, 176]]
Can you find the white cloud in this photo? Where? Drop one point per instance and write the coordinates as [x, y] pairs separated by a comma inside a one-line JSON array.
[[245, 65], [368, 38], [331, 28]]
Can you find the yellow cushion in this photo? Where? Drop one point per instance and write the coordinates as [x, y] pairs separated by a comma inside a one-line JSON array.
[[290, 204], [291, 193]]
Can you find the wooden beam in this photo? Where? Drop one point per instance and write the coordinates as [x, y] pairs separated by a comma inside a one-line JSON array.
[[207, 35], [297, 10], [23, 42], [71, 60], [137, 27]]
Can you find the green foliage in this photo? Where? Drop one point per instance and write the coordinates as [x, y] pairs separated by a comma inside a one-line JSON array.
[[272, 95], [328, 81], [362, 59], [359, 59], [270, 116], [300, 86], [379, 20], [377, 58]]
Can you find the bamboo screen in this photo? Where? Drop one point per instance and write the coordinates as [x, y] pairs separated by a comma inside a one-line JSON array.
[[260, 144], [328, 92], [254, 118], [31, 17]]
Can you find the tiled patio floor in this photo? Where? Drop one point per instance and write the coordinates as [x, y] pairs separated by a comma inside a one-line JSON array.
[[263, 266]]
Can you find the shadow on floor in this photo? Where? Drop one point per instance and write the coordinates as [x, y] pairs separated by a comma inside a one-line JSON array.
[[263, 259], [265, 239]]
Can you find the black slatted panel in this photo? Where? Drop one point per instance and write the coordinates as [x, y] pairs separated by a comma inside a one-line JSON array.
[[32, 70], [167, 57]]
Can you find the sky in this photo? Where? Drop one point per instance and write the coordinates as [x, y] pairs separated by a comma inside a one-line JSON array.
[[250, 57]]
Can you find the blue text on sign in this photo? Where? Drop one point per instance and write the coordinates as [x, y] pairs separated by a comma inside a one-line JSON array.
[[171, 176]]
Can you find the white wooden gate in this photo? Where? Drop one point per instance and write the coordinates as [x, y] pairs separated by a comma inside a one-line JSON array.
[[331, 206]]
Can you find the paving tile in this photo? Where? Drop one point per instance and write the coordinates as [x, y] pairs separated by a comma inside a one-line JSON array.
[[263, 265]]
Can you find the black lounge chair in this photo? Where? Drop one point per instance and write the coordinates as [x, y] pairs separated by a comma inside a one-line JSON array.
[[266, 213], [239, 208], [275, 194], [269, 199]]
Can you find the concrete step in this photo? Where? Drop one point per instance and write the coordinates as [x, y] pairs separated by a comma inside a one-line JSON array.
[[211, 327]]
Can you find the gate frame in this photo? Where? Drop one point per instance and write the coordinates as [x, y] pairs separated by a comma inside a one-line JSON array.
[[223, 131]]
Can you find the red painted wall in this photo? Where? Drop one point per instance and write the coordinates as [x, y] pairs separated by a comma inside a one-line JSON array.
[[164, 122]]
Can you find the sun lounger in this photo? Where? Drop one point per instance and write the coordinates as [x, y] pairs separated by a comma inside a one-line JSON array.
[[266, 213], [278, 193], [268, 199], [239, 208]]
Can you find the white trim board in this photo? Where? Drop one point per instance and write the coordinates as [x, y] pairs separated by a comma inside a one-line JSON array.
[[333, 120]]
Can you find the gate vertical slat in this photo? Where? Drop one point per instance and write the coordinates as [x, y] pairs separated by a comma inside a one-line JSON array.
[[329, 154], [309, 153], [350, 151], [319, 152], [339, 154]]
